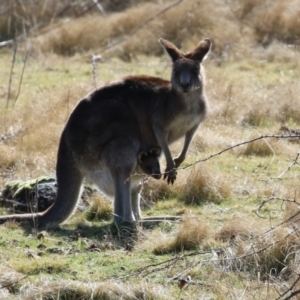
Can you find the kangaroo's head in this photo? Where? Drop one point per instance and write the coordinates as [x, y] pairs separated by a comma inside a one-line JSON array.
[[149, 162], [186, 73]]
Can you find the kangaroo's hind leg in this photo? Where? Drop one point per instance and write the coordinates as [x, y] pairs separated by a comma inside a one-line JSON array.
[[135, 200], [119, 157]]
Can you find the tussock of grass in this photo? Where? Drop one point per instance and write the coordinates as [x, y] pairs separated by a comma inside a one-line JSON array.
[[73, 290], [12, 225], [191, 234], [36, 266], [277, 22], [256, 117], [265, 147], [238, 228], [155, 190], [203, 185], [9, 279], [259, 148], [273, 252], [100, 209]]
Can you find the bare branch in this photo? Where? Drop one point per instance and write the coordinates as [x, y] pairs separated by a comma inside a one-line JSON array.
[[276, 136]]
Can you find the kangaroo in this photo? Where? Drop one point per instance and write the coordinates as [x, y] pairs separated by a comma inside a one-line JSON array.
[[109, 128]]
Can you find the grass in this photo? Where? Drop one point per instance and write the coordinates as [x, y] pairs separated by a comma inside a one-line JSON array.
[[238, 238], [100, 209], [191, 234]]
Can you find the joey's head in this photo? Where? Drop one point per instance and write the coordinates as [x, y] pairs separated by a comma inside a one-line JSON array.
[[186, 73], [149, 162]]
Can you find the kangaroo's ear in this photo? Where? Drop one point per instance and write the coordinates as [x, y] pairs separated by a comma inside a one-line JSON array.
[[142, 155], [155, 151], [201, 51], [171, 49]]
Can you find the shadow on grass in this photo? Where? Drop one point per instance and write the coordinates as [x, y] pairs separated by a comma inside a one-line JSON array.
[[108, 234]]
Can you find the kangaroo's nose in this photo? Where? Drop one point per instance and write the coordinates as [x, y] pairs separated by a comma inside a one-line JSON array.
[[185, 81], [185, 85]]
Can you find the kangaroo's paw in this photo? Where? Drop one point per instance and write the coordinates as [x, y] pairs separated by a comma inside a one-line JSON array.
[[170, 176]]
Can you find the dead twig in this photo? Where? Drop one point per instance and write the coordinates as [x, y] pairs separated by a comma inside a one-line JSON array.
[[23, 68], [95, 59], [11, 136], [295, 162], [6, 43], [292, 294], [11, 71], [99, 6]]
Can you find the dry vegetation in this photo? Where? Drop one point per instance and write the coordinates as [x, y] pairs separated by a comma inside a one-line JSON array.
[[239, 200]]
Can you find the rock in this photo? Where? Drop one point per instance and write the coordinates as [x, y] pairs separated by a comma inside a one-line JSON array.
[[36, 195]]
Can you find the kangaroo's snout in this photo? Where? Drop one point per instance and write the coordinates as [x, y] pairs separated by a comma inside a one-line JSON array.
[[185, 81], [156, 176], [185, 86]]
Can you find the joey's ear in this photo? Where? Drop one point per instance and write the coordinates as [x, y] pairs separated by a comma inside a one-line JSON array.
[[142, 155], [201, 51], [155, 151], [171, 49]]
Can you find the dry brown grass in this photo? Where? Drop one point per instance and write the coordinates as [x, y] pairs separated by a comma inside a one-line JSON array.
[[100, 208], [274, 251], [292, 213], [33, 126], [185, 25], [79, 35], [192, 232], [246, 22], [278, 21], [245, 100], [239, 228], [265, 147], [38, 14], [73, 290], [10, 280], [203, 184], [156, 190]]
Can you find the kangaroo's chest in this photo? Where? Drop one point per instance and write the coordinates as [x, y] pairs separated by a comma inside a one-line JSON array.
[[187, 118]]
